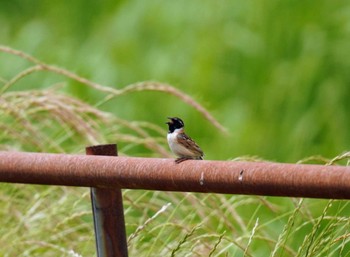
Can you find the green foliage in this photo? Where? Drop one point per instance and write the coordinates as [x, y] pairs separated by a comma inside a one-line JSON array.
[[275, 73]]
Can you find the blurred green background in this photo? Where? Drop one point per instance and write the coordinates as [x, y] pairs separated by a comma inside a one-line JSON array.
[[275, 73]]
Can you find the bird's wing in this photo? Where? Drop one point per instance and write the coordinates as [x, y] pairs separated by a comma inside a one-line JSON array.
[[189, 143]]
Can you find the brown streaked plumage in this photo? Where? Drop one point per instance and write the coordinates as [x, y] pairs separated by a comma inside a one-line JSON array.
[[181, 144]]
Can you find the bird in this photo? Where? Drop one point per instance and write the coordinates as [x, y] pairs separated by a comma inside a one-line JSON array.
[[181, 144]]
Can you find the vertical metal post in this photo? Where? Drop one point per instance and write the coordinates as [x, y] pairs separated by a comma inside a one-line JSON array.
[[107, 208]]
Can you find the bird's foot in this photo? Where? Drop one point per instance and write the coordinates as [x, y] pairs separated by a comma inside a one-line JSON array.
[[182, 159]]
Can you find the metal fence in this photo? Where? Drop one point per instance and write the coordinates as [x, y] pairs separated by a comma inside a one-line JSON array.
[[107, 175]]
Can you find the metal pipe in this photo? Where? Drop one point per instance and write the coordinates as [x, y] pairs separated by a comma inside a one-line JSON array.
[[252, 178], [107, 209]]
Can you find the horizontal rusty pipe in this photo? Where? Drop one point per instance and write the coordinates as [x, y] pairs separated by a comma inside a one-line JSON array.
[[253, 178]]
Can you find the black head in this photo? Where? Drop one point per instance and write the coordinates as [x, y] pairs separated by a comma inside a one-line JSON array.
[[175, 123]]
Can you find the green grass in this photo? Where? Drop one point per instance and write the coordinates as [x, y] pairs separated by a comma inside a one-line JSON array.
[[274, 74], [51, 221]]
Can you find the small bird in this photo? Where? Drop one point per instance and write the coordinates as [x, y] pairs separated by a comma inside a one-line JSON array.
[[181, 144]]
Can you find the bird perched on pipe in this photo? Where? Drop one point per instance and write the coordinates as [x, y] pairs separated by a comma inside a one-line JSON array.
[[181, 144]]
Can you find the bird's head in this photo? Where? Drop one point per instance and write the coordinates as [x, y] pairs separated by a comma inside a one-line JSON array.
[[175, 123]]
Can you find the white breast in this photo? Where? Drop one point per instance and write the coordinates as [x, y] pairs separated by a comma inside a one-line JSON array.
[[177, 148]]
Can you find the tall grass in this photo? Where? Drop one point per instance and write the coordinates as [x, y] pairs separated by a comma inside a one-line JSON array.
[[56, 221]]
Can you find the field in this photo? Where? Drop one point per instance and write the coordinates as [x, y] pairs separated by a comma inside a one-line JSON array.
[[253, 80]]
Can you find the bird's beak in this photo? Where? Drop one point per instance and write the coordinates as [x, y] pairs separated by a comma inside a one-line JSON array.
[[169, 122]]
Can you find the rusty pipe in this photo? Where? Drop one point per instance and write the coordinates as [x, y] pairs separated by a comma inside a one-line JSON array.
[[108, 212], [229, 177]]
